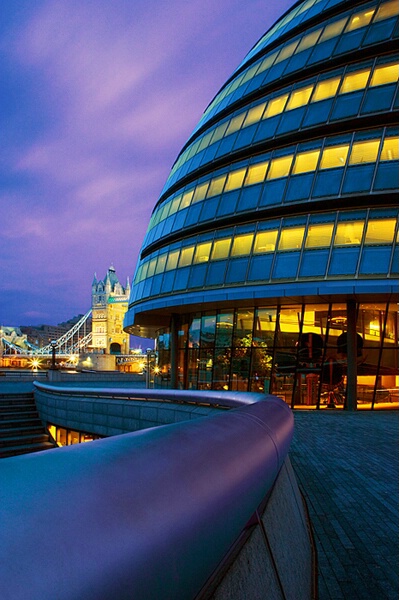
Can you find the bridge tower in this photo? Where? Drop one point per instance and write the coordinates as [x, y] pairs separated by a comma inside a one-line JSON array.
[[109, 305]]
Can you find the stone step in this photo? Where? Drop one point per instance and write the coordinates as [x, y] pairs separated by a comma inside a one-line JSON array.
[[19, 440], [16, 421], [25, 449], [19, 415], [7, 432]]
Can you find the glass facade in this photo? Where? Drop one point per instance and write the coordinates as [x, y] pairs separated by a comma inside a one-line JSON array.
[[278, 226]]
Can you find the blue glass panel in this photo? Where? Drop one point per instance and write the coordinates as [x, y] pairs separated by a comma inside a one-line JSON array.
[[347, 105], [210, 153], [169, 224], [395, 262], [267, 129], [291, 120], [259, 268], [180, 218], [255, 83], [299, 187], [327, 183], [209, 208], [379, 31], [349, 41], [237, 270], [194, 163], [318, 112], [244, 137], [375, 260], [358, 178], [322, 51], [147, 287], [193, 214], [181, 278], [286, 265], [273, 192], [387, 177], [226, 145], [168, 280], [216, 273], [378, 99], [274, 72], [344, 261], [249, 198], [197, 276], [298, 61], [314, 263], [228, 203], [156, 284]]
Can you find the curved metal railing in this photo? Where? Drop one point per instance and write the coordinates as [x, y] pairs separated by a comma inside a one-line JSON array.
[[145, 515]]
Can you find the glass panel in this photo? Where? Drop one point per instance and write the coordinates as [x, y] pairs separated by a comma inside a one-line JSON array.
[[387, 10], [235, 124], [319, 235], [326, 89], [280, 167], [186, 256], [380, 231], [243, 329], [299, 97], [276, 106], [224, 329], [172, 260], [217, 185], [202, 252], [305, 162], [291, 239], [186, 199], [200, 192], [333, 30], [235, 179], [151, 267], [208, 328], [334, 157], [361, 19], [175, 204], [265, 241], [255, 114], [221, 249], [354, 81], [287, 51], [349, 233], [385, 74], [390, 149], [256, 173], [219, 132], [308, 41], [242, 244], [194, 332], [364, 152]]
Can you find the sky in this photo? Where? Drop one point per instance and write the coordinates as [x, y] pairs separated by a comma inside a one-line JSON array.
[[97, 99]]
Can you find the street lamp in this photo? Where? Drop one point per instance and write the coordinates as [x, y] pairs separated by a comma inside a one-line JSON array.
[[53, 347]]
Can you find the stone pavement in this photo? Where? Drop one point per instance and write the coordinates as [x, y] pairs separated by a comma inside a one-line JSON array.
[[347, 468]]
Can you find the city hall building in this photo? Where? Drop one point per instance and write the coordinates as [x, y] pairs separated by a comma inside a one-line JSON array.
[[271, 258]]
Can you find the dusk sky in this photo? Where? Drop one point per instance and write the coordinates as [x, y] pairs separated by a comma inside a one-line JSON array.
[[98, 97]]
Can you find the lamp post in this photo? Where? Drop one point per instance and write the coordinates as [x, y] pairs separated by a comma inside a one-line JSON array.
[[53, 348]]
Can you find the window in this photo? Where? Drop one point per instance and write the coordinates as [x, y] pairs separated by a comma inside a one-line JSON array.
[[221, 249], [326, 89], [265, 241], [287, 51], [175, 204], [200, 192], [349, 233], [364, 152], [217, 185], [380, 231], [387, 10], [151, 267], [256, 173], [354, 81], [390, 149], [308, 41], [242, 244], [299, 97], [276, 106], [202, 252], [235, 179], [319, 236], [254, 114], [172, 260], [186, 199], [291, 239], [334, 157], [219, 132], [161, 264], [359, 20], [385, 74], [333, 30], [305, 162], [280, 167], [186, 256], [235, 123]]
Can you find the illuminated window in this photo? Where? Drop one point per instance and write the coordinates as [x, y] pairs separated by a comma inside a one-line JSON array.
[[326, 89], [235, 124], [250, 73], [151, 267], [235, 179], [364, 152], [280, 167], [359, 20], [200, 191], [186, 199], [175, 204], [308, 41], [219, 132], [355, 81], [333, 30], [276, 106], [242, 244], [349, 233], [172, 260], [186, 256], [334, 157], [299, 97], [319, 236], [387, 10], [161, 264], [165, 211], [221, 249], [385, 74], [202, 252], [267, 62], [287, 51], [265, 241], [305, 162], [256, 173], [204, 142], [255, 114], [380, 231], [291, 239], [217, 185], [390, 149]]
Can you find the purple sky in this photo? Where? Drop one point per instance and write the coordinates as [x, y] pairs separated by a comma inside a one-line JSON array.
[[98, 97]]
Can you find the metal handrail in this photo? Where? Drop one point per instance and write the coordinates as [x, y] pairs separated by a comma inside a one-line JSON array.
[[144, 515]]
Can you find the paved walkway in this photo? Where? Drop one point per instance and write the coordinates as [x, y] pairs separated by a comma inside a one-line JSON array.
[[347, 468]]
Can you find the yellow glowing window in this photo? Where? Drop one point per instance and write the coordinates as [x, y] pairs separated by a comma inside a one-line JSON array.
[[390, 149], [359, 20], [202, 252], [186, 256], [349, 233], [319, 236], [291, 239], [217, 185], [200, 192], [219, 132], [235, 124], [151, 267], [305, 162], [326, 89], [242, 244], [380, 231], [280, 167], [221, 249], [287, 51], [235, 179], [276, 106], [355, 81], [161, 264], [165, 211], [256, 173], [299, 97], [250, 73], [267, 62], [364, 152], [387, 10], [334, 157], [255, 114], [308, 41], [333, 30], [204, 142], [186, 199], [385, 74], [175, 204], [172, 261], [265, 241]]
